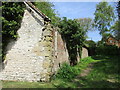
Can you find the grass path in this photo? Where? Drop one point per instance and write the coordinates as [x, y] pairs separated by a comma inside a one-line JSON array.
[[86, 71], [104, 73]]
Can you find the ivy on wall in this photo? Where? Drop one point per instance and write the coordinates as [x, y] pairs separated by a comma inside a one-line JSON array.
[[74, 36], [12, 13]]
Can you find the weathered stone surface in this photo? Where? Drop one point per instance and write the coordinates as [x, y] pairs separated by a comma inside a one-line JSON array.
[[48, 39], [45, 43], [84, 53], [47, 33], [46, 64], [61, 54], [25, 57]]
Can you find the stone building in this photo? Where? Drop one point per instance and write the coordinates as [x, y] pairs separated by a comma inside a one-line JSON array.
[[38, 52]]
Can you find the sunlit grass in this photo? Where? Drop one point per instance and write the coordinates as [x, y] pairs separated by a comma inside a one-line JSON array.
[[104, 74]]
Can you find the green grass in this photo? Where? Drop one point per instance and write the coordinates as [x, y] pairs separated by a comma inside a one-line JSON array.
[[67, 72], [105, 74], [20, 84]]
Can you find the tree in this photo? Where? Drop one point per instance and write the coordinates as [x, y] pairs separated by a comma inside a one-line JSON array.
[[105, 37], [104, 16], [47, 9], [74, 37], [118, 9], [85, 23], [90, 43], [116, 26], [116, 29]]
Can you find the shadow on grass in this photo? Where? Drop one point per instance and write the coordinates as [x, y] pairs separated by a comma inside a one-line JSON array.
[[109, 65], [105, 73], [99, 57], [87, 83]]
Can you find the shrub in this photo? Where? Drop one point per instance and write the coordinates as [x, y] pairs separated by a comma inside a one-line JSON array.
[[107, 50], [67, 72]]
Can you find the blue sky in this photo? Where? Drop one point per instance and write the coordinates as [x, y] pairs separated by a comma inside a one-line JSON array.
[[73, 10]]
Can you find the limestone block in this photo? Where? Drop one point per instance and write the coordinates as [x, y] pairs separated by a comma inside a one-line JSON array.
[[46, 64], [45, 77], [48, 48], [47, 33], [45, 43], [48, 39], [48, 58]]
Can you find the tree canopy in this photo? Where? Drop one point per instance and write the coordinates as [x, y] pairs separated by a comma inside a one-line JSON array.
[[118, 9], [86, 23], [104, 16], [47, 9], [116, 29]]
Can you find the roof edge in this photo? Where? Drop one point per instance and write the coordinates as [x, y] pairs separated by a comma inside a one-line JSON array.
[[46, 18]]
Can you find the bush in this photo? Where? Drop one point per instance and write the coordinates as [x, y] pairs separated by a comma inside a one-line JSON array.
[[67, 72], [107, 50]]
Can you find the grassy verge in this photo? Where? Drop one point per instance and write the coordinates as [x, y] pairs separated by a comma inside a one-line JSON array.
[[20, 84], [105, 74]]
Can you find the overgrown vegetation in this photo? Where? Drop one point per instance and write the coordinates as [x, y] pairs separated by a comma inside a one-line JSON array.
[[74, 36], [105, 71], [67, 72], [47, 9], [107, 50], [12, 13]]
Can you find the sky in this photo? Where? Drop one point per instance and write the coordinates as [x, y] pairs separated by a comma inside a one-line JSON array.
[[73, 10]]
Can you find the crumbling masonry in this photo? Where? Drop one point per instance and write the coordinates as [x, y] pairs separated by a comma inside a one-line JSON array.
[[37, 53]]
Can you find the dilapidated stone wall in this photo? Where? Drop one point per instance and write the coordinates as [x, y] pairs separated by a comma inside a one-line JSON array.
[[60, 51], [84, 52], [30, 57], [36, 54]]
